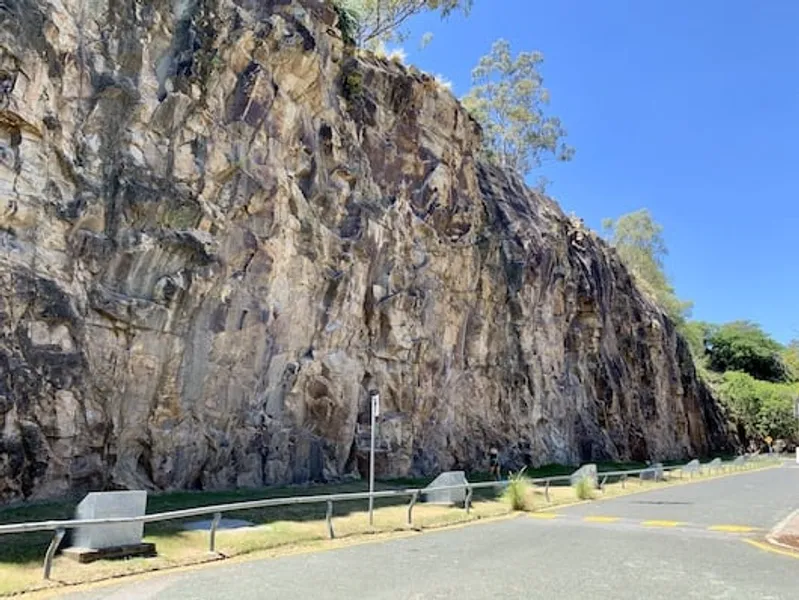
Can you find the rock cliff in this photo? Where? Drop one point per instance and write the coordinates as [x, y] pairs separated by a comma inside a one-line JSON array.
[[219, 230]]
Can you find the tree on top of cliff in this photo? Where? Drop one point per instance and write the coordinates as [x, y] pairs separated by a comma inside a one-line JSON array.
[[639, 242], [744, 346], [508, 99], [368, 23]]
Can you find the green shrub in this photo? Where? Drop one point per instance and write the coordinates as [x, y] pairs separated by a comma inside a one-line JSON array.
[[763, 408], [584, 488], [519, 493], [352, 83]]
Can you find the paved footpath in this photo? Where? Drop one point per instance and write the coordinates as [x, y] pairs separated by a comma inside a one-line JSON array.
[[602, 550]]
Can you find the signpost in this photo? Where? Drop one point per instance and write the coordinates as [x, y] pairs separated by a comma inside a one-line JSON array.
[[374, 397]]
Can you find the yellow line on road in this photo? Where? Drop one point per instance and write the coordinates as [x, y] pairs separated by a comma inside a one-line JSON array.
[[600, 519], [658, 523], [772, 549], [543, 515], [733, 528]]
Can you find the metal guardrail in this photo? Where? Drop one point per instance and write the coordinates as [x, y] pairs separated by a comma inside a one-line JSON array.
[[60, 527]]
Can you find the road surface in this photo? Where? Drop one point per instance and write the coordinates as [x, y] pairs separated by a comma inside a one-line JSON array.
[[684, 542], [759, 499]]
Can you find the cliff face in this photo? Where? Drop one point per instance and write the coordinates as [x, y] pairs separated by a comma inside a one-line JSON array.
[[218, 231]]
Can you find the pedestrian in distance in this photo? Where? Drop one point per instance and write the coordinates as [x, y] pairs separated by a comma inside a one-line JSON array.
[[494, 464]]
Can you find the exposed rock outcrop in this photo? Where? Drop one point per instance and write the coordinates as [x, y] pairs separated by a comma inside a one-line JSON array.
[[218, 230]]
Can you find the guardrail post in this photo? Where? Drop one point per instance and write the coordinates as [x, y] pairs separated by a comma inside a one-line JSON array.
[[414, 498], [329, 519], [468, 502], [212, 537], [51, 549], [602, 484], [623, 481], [546, 492]]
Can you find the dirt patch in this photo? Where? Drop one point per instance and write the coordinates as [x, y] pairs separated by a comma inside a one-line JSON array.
[[786, 533], [789, 540]]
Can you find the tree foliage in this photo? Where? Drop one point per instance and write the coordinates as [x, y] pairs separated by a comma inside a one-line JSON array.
[[508, 99], [639, 242], [371, 22], [348, 22], [744, 346], [762, 408], [790, 358], [697, 334]]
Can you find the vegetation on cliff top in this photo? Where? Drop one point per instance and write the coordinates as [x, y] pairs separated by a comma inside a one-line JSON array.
[[367, 23], [639, 242], [756, 377], [508, 97], [508, 100]]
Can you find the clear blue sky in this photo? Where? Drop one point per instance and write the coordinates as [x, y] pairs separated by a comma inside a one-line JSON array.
[[687, 107]]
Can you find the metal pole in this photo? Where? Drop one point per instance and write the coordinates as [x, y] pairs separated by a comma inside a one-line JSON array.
[[468, 502], [414, 498], [329, 518], [214, 525], [372, 400], [48, 558]]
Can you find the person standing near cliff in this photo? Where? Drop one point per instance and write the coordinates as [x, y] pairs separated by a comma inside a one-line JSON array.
[[493, 461]]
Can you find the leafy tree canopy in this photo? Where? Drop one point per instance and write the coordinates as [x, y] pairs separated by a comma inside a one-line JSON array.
[[697, 334], [639, 242], [368, 23], [744, 346], [790, 357], [508, 98]]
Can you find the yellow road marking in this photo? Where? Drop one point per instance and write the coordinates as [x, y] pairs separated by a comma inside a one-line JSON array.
[[770, 548], [658, 523], [732, 528], [600, 519], [543, 515]]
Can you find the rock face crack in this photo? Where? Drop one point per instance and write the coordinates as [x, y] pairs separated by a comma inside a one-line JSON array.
[[219, 230]]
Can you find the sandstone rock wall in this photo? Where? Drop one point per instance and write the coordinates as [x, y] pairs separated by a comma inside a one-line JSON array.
[[218, 230]]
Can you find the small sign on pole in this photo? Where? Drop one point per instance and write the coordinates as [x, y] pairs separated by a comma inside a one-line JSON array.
[[376, 404]]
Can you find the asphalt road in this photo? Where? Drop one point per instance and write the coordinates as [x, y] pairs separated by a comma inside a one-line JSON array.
[[563, 557], [758, 499]]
